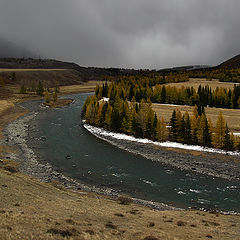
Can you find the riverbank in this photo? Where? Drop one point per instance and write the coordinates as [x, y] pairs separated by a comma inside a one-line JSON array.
[[211, 162]]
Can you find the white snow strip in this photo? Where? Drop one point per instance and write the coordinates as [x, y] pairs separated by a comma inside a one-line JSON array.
[[121, 136], [105, 99], [236, 134]]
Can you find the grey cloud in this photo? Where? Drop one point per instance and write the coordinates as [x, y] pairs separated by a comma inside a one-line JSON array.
[[126, 33]]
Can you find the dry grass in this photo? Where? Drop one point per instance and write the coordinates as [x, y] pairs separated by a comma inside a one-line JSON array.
[[195, 82], [232, 116], [59, 103], [5, 104], [33, 210], [29, 70], [84, 87], [9, 112]]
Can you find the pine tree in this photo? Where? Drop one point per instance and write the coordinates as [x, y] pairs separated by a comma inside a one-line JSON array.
[[23, 89], [204, 137], [161, 130], [108, 117], [91, 113], [194, 127], [187, 134], [47, 97], [40, 89], [182, 130], [228, 143], [173, 131], [134, 127], [55, 96], [99, 118], [219, 131], [163, 94], [150, 119]]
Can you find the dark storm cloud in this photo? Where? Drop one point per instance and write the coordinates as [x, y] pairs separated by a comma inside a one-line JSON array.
[[126, 33]]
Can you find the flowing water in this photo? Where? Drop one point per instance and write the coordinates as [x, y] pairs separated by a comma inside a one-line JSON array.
[[95, 162]]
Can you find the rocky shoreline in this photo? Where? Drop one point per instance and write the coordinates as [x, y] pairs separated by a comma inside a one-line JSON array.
[[211, 164], [17, 133]]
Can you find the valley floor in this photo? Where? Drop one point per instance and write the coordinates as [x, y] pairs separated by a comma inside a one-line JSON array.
[[30, 209]]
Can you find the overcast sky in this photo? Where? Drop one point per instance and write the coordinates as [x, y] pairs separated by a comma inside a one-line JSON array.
[[124, 33]]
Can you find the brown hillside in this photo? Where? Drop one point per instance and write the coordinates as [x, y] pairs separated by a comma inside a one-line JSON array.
[[231, 63]]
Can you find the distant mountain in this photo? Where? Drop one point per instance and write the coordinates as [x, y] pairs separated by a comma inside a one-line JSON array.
[[9, 49], [231, 63], [84, 73], [184, 68]]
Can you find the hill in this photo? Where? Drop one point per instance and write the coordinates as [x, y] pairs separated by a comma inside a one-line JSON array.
[[231, 63]]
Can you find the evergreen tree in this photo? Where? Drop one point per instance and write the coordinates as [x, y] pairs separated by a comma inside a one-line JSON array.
[[23, 89], [219, 131], [161, 130], [204, 137], [47, 97], [228, 143], [194, 128], [163, 94], [187, 134], [108, 117], [55, 96], [40, 89], [173, 131]]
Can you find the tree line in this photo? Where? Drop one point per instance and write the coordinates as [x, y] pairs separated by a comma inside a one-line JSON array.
[[145, 88], [222, 74], [139, 120]]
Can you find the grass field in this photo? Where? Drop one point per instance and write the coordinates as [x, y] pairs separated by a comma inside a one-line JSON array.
[[84, 87], [232, 116], [195, 82]]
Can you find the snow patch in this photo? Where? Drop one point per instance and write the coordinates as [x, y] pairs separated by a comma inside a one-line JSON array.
[[120, 136], [105, 99], [236, 134]]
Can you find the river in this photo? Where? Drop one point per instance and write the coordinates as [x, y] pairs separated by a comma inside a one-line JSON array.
[[57, 133]]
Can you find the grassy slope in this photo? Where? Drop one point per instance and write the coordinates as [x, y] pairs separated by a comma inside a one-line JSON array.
[[33, 210]]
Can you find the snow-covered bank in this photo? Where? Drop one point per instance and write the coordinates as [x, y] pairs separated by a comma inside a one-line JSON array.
[[208, 161], [121, 136]]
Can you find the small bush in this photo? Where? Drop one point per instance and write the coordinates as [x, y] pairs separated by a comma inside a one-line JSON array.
[[150, 238], [110, 225], [63, 233], [70, 221], [209, 236], [125, 200], [11, 169], [151, 224], [119, 215], [180, 223], [193, 225], [90, 231]]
